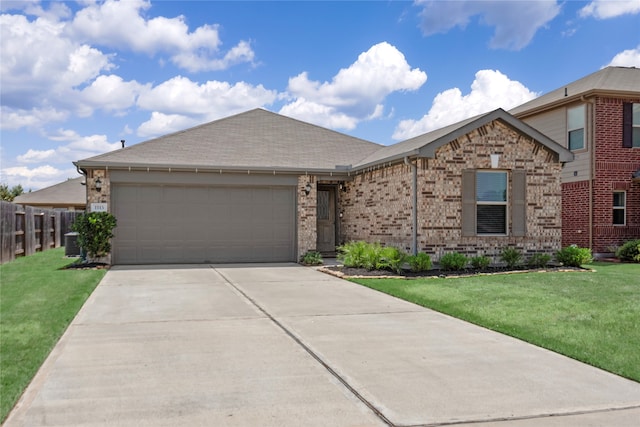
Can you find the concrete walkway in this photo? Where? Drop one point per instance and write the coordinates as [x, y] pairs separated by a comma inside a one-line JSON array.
[[284, 345]]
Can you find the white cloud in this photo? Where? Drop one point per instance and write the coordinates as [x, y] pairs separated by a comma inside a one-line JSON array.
[[199, 50], [604, 9], [209, 100], [73, 147], [162, 124], [356, 93], [490, 90], [13, 119], [627, 58], [36, 156], [111, 93], [37, 177], [515, 22]]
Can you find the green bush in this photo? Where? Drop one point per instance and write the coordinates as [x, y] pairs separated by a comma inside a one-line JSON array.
[[351, 254], [371, 256], [419, 262], [312, 258], [453, 261], [573, 256], [539, 260], [480, 262], [511, 256], [391, 259], [629, 251], [95, 229]]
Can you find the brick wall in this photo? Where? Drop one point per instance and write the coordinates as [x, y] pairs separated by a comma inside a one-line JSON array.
[[614, 166], [377, 205], [575, 213], [307, 207], [95, 196]]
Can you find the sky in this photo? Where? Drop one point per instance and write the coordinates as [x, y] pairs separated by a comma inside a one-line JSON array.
[[76, 78]]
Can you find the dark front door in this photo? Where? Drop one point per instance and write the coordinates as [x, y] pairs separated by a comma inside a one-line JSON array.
[[326, 219]]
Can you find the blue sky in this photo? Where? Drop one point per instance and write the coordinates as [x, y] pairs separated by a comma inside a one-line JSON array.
[[77, 77]]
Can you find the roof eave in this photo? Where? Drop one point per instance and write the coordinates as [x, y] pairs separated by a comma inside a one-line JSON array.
[[149, 167], [582, 96]]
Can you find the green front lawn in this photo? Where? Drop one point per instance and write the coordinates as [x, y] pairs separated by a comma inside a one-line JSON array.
[[38, 300], [589, 316]]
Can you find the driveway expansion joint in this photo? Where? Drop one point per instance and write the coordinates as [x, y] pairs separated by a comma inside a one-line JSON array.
[[306, 348]]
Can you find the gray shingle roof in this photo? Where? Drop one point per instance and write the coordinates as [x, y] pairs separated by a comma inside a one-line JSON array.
[[609, 80], [69, 193], [256, 139], [426, 145], [261, 140]]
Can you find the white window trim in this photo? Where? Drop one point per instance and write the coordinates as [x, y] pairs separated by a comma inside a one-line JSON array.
[[583, 127], [623, 208], [634, 125], [496, 203]]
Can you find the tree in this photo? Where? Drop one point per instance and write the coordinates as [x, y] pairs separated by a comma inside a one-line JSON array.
[[9, 194], [95, 229]]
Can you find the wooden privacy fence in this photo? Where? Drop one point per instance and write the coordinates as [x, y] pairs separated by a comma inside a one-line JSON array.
[[26, 230]]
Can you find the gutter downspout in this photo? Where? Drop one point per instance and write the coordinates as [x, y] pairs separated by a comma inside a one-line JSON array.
[[591, 113], [414, 209]]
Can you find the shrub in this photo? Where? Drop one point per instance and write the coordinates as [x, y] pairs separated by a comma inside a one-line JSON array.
[[480, 262], [351, 254], [453, 261], [539, 260], [391, 258], [312, 258], [419, 262], [573, 256], [629, 251], [95, 229], [511, 256], [372, 256]]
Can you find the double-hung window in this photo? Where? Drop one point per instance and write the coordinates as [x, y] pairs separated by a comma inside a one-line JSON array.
[[631, 125], [619, 207], [576, 128], [494, 202], [491, 202]]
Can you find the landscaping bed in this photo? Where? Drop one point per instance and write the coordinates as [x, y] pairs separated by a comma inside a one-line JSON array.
[[351, 272]]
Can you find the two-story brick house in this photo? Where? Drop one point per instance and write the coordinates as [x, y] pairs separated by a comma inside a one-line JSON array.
[[598, 119]]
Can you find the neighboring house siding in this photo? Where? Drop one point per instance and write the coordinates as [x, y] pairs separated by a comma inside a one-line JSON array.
[[377, 205], [614, 166], [554, 125], [575, 214]]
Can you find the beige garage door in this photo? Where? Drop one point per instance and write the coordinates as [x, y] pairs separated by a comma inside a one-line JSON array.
[[187, 224]]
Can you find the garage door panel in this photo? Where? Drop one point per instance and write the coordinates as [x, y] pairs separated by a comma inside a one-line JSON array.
[[184, 224]]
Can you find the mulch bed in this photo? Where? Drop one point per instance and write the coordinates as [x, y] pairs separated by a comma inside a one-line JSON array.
[[357, 273], [86, 266]]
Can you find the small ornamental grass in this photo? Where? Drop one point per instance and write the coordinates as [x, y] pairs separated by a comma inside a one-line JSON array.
[[453, 261], [511, 256], [480, 262], [539, 260], [312, 258], [419, 262]]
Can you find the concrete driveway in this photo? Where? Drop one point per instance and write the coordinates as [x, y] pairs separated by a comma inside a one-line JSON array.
[[284, 345]]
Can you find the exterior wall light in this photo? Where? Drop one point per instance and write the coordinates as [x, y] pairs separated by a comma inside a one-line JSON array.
[[98, 184], [307, 189]]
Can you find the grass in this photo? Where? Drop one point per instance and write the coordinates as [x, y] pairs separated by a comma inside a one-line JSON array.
[[38, 300], [593, 317]]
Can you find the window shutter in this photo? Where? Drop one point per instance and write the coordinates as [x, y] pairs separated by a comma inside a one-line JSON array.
[[519, 203], [468, 203], [627, 125]]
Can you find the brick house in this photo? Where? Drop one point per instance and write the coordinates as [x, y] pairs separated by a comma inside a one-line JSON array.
[[598, 119], [261, 187]]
